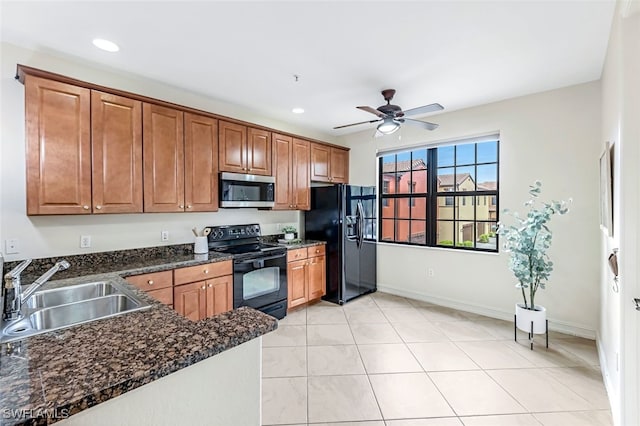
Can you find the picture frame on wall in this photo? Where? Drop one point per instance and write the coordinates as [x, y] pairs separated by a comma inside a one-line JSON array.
[[606, 191]]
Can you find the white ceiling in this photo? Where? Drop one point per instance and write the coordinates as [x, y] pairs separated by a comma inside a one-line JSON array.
[[457, 53]]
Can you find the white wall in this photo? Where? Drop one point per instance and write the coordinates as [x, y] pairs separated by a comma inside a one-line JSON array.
[[58, 235], [551, 136], [618, 329]]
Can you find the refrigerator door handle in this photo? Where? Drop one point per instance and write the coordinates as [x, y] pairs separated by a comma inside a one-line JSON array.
[[360, 223]]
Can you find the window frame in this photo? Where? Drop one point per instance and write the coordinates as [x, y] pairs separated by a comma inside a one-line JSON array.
[[432, 196]]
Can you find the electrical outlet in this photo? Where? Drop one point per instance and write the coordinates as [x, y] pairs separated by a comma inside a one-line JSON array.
[[11, 246], [430, 272], [85, 241], [164, 236]]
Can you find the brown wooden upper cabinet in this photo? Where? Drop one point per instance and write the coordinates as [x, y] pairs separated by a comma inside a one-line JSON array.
[[329, 164], [291, 169], [200, 163], [180, 172], [244, 149], [116, 154], [58, 134], [163, 159], [84, 150]]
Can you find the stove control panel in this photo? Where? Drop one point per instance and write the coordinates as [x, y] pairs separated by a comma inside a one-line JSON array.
[[233, 232]]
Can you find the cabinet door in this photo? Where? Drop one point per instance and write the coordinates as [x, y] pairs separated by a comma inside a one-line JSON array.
[[297, 282], [282, 170], [232, 147], [163, 154], [317, 277], [116, 157], [320, 162], [219, 295], [200, 163], [58, 147], [301, 183], [339, 166], [164, 295], [258, 152], [189, 300]]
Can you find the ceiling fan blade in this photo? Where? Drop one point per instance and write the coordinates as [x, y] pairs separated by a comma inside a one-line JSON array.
[[355, 124], [372, 111], [424, 109], [423, 124]]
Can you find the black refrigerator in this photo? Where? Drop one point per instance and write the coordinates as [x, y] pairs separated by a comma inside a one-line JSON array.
[[345, 217]]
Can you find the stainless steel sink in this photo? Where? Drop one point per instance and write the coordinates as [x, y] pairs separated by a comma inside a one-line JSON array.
[[64, 307], [76, 293]]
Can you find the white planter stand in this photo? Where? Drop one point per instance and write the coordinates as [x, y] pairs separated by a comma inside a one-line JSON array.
[[533, 322]]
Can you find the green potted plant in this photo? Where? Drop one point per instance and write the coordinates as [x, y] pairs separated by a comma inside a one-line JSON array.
[[289, 232], [527, 241]]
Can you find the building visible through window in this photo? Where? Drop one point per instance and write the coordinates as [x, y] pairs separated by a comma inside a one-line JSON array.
[[443, 187]]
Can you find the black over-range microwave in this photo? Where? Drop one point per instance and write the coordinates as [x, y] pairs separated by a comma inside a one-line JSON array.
[[240, 190]]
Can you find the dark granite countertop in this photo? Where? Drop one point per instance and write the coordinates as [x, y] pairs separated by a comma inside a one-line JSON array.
[[63, 372], [296, 244]]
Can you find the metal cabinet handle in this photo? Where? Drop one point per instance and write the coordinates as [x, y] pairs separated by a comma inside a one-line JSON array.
[[206, 271], [150, 282], [203, 287], [85, 207], [189, 206], [181, 206], [98, 207], [209, 286]]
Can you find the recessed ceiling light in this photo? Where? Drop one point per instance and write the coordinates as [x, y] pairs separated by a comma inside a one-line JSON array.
[[297, 110], [107, 45]]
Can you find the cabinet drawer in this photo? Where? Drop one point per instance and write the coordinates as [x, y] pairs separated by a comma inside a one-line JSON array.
[[164, 295], [202, 272], [296, 254], [315, 251], [152, 281]]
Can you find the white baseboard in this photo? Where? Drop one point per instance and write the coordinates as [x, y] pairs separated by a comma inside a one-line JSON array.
[[614, 401], [560, 326]]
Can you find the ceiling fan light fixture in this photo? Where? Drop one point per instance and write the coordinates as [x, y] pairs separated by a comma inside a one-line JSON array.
[[388, 126]]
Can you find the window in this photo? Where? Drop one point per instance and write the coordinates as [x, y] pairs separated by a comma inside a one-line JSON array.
[[434, 199]]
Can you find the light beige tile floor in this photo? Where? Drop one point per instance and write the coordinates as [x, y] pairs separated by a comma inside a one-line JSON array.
[[384, 360]]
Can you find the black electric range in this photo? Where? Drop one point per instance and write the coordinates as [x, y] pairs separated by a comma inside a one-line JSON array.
[[259, 269]]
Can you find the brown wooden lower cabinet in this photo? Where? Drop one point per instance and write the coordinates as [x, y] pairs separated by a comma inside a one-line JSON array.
[[195, 300], [204, 299], [158, 285], [306, 275], [189, 300], [297, 283]]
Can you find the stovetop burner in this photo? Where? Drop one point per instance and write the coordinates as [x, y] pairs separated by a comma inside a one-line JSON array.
[[241, 241]]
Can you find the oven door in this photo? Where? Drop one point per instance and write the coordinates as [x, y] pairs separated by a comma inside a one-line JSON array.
[[260, 281]]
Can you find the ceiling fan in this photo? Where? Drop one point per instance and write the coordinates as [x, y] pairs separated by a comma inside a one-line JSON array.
[[392, 116]]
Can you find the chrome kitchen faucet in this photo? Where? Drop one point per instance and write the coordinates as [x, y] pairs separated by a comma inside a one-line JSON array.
[[14, 297]]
